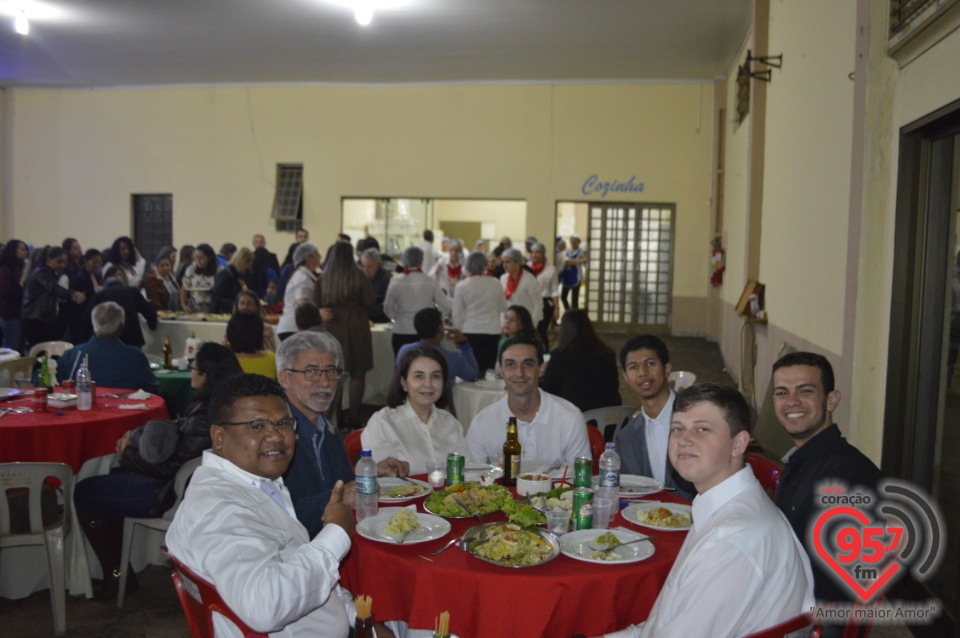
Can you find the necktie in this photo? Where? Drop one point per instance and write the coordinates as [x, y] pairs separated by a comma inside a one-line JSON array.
[[318, 445], [268, 488]]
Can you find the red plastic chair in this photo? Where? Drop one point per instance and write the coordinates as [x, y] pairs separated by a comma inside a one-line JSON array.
[[353, 445], [597, 445], [800, 626], [767, 472], [200, 600]]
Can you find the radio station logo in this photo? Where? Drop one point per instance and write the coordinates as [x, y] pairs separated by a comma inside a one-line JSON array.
[[868, 541]]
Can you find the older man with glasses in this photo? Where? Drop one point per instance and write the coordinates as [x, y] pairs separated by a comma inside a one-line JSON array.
[[308, 368]]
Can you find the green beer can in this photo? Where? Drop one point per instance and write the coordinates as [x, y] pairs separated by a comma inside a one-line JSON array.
[[582, 472], [582, 508], [454, 469]]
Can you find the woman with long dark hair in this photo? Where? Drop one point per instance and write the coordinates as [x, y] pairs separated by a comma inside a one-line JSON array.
[[160, 287], [42, 298], [414, 426], [517, 322], [186, 258], [149, 458], [583, 369], [125, 255], [344, 292], [245, 337], [13, 259], [196, 289], [74, 257]]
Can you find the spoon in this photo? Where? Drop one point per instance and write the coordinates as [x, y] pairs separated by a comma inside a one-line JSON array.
[[450, 544], [607, 550]]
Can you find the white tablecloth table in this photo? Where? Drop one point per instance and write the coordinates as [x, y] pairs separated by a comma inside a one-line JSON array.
[[471, 397]]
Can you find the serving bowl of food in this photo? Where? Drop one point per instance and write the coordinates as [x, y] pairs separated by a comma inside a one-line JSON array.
[[533, 483], [510, 545]]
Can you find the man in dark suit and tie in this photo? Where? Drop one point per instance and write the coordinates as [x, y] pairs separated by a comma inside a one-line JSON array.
[[642, 443]]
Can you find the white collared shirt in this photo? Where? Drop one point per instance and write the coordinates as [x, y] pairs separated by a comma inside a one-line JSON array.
[[657, 433], [527, 294], [410, 293], [557, 432], [741, 569], [260, 559], [548, 281], [478, 304], [400, 433]]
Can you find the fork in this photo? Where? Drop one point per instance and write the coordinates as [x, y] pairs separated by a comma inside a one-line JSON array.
[[607, 550], [441, 550]]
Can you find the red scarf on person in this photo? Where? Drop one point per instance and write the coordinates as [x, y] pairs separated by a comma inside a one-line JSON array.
[[537, 269], [512, 285], [453, 272], [407, 271]]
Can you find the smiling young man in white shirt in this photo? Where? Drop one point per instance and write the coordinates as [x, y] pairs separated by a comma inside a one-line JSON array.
[[741, 568]]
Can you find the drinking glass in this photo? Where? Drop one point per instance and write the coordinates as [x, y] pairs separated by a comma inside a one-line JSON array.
[[602, 512], [437, 474], [558, 522]]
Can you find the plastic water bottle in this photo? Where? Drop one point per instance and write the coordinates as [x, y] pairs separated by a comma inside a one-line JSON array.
[[367, 496], [84, 389], [609, 485]]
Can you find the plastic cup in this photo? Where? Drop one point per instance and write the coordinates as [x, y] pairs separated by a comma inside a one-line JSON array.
[[437, 474], [558, 522], [602, 512]]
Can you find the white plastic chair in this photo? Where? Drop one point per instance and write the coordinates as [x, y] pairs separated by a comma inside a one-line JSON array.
[[681, 379], [32, 476], [52, 348], [161, 524], [609, 420], [17, 370]]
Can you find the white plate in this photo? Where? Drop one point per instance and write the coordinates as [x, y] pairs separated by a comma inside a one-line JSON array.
[[535, 464], [9, 393], [389, 481], [580, 544], [633, 486], [431, 528], [473, 471], [630, 513]]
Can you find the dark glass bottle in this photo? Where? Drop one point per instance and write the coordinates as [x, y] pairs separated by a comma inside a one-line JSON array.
[[511, 454]]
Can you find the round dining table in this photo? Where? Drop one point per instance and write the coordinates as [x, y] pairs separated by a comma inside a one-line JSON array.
[[469, 397], [69, 435], [563, 597]]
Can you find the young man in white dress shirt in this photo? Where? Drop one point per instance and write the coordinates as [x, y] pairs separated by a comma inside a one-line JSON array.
[[741, 568], [237, 529], [548, 427]]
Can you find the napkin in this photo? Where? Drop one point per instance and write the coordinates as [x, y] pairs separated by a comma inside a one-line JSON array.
[[133, 406], [139, 395]]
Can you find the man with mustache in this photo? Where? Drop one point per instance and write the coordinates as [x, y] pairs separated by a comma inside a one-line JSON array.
[[308, 368]]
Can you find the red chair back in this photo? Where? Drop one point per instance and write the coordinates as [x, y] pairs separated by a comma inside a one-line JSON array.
[[597, 445], [801, 625], [353, 445], [200, 600], [767, 472]]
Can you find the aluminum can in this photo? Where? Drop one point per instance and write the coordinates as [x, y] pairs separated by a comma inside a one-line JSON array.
[[582, 471], [582, 508], [39, 399], [454, 469]]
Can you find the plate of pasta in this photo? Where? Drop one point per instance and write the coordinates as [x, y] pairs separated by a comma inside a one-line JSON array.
[[669, 517], [394, 490], [398, 525], [510, 545]]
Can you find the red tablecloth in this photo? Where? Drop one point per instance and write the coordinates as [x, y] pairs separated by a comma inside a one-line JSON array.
[[67, 435], [561, 598]]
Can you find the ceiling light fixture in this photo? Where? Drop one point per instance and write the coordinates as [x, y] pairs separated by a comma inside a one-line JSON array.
[[20, 24], [363, 10]]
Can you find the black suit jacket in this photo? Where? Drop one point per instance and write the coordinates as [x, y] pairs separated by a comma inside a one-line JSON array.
[[133, 304]]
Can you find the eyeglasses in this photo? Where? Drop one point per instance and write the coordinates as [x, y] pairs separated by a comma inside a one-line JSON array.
[[263, 427], [314, 374]]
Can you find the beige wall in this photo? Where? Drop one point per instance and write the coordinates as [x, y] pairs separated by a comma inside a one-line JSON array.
[[76, 156], [509, 217]]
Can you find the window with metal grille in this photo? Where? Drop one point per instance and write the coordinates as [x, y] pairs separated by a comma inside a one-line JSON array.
[[288, 198], [909, 18], [630, 274]]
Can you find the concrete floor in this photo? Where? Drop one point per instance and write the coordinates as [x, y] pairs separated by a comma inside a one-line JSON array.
[[154, 611]]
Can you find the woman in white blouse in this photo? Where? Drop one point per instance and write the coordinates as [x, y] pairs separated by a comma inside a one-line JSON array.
[[549, 287], [449, 268], [520, 286], [413, 427], [306, 260], [477, 307]]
